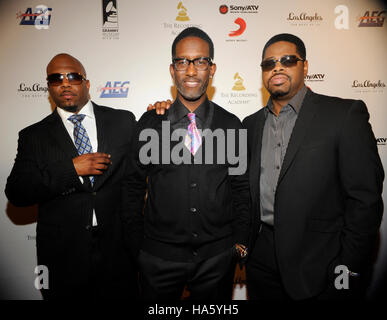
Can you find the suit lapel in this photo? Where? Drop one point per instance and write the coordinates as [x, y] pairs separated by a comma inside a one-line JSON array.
[[301, 126], [60, 134], [255, 157], [103, 143], [62, 138]]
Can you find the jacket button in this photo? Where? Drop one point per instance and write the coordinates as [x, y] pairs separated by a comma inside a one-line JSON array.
[[194, 234], [193, 209], [193, 185], [195, 253], [94, 193], [88, 227]]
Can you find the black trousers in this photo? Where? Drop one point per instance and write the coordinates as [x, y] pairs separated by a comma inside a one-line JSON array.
[[163, 280], [96, 285], [264, 280], [262, 275]]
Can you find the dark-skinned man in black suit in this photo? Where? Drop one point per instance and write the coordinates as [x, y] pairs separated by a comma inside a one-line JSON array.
[[71, 164], [316, 182]]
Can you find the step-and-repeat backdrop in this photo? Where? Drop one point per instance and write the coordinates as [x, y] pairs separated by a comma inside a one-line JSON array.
[[125, 46]]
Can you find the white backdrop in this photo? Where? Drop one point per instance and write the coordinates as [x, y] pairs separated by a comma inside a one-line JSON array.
[[345, 41]]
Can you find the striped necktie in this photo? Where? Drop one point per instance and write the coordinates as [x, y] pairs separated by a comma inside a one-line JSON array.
[[193, 139], [81, 139]]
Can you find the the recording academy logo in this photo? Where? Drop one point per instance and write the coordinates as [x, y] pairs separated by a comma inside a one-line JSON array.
[[181, 21], [313, 77], [182, 13], [238, 85], [372, 18], [40, 18], [368, 86], [114, 89], [253, 8], [110, 20], [31, 237], [381, 141], [304, 19], [238, 94], [32, 90]]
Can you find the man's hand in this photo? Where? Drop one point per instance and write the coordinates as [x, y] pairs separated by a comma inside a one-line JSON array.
[[91, 164], [160, 106]]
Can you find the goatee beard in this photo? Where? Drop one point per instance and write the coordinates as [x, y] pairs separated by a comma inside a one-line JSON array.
[[71, 109], [278, 94]]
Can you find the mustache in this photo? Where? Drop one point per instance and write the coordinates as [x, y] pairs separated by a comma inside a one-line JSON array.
[[189, 78], [67, 92]]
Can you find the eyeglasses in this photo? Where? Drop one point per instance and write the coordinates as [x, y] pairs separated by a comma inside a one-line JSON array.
[[286, 61], [200, 64], [56, 79]]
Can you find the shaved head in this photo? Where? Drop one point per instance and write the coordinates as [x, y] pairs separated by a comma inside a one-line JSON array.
[[65, 59], [68, 96]]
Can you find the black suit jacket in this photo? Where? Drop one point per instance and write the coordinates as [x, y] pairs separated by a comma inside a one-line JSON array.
[[44, 173], [328, 204]]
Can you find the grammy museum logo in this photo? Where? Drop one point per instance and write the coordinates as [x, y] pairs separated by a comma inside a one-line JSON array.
[[110, 20]]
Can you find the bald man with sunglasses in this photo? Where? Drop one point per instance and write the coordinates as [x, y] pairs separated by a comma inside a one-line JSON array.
[[71, 164]]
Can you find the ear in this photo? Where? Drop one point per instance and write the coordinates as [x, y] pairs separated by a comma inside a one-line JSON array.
[[88, 84], [306, 66], [212, 70], [172, 71]]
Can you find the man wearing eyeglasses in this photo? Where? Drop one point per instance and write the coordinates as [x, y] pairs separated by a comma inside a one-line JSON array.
[[195, 217], [316, 182], [71, 164]]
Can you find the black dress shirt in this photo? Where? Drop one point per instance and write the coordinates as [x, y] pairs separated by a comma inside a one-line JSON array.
[[192, 211]]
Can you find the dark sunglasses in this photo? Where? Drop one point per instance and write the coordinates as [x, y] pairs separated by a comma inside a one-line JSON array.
[[56, 79], [286, 61]]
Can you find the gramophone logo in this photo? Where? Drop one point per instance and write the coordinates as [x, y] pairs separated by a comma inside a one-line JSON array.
[[109, 19], [40, 18], [238, 85], [180, 22], [236, 96], [182, 13]]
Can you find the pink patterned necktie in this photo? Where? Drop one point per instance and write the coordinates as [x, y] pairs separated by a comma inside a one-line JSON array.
[[193, 140]]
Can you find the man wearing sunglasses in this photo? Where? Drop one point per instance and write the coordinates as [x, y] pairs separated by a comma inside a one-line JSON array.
[[71, 164], [195, 217], [316, 182]]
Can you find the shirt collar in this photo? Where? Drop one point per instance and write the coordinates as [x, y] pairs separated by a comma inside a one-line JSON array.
[[87, 110], [178, 111], [295, 102]]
